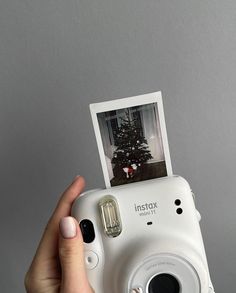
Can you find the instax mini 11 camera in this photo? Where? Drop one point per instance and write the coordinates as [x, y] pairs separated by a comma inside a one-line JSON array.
[[143, 237]]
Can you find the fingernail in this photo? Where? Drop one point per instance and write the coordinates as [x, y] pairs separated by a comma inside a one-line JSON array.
[[68, 227]]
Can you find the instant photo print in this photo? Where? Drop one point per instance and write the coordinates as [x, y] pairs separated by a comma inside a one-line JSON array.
[[132, 139]]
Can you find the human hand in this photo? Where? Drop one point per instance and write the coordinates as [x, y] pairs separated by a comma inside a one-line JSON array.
[[58, 265]]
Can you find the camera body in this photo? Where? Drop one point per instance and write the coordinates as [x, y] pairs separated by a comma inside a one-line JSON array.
[[143, 237]]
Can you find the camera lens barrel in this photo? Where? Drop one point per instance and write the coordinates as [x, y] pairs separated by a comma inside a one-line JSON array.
[[165, 273]]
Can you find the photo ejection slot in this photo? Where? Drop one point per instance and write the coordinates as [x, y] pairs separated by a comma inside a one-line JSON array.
[[110, 216]]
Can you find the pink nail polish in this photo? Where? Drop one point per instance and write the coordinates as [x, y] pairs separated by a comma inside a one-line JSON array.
[[68, 227]]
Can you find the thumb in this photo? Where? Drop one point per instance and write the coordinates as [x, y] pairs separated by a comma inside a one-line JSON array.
[[74, 278]]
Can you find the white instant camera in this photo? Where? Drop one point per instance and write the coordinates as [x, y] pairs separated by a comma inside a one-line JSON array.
[[143, 237]]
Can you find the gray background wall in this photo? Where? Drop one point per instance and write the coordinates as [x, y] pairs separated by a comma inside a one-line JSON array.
[[56, 57]]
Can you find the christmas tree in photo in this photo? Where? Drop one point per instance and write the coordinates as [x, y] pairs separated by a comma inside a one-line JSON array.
[[132, 148]]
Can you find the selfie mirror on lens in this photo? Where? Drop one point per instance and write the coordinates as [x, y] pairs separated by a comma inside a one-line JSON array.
[[141, 233]]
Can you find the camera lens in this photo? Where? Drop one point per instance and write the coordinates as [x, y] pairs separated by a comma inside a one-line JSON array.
[[87, 230], [164, 283]]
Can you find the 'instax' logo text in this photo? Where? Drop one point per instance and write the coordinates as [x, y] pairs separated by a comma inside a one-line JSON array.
[[146, 209]]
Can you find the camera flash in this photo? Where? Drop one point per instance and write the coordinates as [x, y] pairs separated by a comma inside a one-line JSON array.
[[110, 216]]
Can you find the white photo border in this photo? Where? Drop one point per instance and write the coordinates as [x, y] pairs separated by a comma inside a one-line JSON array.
[[128, 102]]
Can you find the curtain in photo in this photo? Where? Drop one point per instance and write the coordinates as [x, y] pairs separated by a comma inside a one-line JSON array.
[[152, 131], [105, 126]]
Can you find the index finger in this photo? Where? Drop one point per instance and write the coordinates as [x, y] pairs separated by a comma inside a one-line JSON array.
[[48, 244]]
